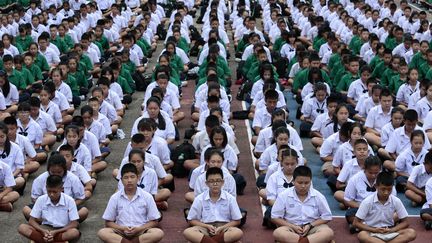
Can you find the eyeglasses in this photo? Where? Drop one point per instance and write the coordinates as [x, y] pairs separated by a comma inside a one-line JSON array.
[[215, 181]]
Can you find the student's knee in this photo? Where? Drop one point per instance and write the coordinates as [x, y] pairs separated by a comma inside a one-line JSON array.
[[234, 234], [411, 234], [26, 212], [103, 233], [25, 229], [327, 233], [363, 236], [156, 234]]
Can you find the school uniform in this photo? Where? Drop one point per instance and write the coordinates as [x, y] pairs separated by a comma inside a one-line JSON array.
[[359, 188], [92, 144], [229, 184], [66, 91], [423, 107], [357, 89], [53, 111], [45, 122], [108, 110], [57, 216], [324, 125], [132, 213], [225, 209], [419, 176], [72, 186], [6, 176], [167, 133], [82, 156], [157, 147], [201, 140], [428, 190], [375, 214], [25, 146], [150, 161], [51, 57], [148, 181], [61, 101], [330, 145], [230, 157], [33, 131], [288, 207], [376, 118], [276, 184], [202, 92], [80, 172], [386, 132], [114, 100], [407, 161], [259, 100], [12, 97], [223, 104], [405, 91], [346, 152], [265, 138], [364, 105], [269, 156], [311, 108], [308, 90], [399, 141], [225, 123], [413, 100], [262, 118], [350, 168], [105, 122], [98, 130], [14, 159]]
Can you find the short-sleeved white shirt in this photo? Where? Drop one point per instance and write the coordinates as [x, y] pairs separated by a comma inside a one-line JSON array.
[[157, 147], [344, 153], [276, 184], [25, 146], [61, 101], [423, 107], [114, 100], [151, 162], [419, 177], [330, 145], [351, 167], [167, 133], [428, 190], [229, 183], [262, 118], [148, 181], [132, 213], [265, 138], [82, 156], [59, 215], [108, 110], [45, 122], [376, 214], [386, 131], [399, 141], [33, 131], [321, 122], [80, 172], [407, 161], [225, 209], [405, 91], [269, 156], [289, 207], [312, 108], [98, 130], [13, 95], [6, 175], [427, 123], [105, 122], [66, 90], [72, 186], [357, 89], [376, 118], [53, 111], [230, 157], [357, 188], [14, 158]]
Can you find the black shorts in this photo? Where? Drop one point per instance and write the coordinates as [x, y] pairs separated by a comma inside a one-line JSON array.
[[426, 211]]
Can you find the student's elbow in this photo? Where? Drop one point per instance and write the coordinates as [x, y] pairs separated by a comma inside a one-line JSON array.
[[357, 223]]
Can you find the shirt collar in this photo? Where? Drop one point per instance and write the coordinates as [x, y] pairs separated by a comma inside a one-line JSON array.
[[375, 199], [61, 202], [221, 197]]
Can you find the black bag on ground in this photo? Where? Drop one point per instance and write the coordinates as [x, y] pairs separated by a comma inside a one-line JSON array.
[[244, 90], [181, 153]]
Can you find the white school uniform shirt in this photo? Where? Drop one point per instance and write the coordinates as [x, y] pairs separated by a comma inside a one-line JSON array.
[[375, 214], [80, 172], [61, 100], [428, 191], [320, 123], [289, 207], [351, 167], [259, 100], [108, 110], [423, 107], [324, 49], [368, 56], [167, 133], [15, 157], [201, 140], [230, 157], [405, 91], [105, 122], [45, 122], [92, 143], [202, 92], [308, 90], [330, 145], [386, 132], [364, 105], [223, 104], [249, 51], [407, 161], [419, 176], [33, 131], [59, 215], [262, 118], [357, 89], [51, 57], [265, 138], [148, 181], [225, 209], [413, 100], [201, 169], [158, 147], [12, 97], [132, 213], [229, 184], [203, 116], [400, 50], [116, 88], [170, 86], [399, 141], [311, 108], [376, 118], [114, 100], [72, 186], [357, 188], [53, 111], [276, 184], [150, 161], [204, 52], [6, 175], [98, 130], [344, 153], [25, 146], [287, 51], [269, 156]]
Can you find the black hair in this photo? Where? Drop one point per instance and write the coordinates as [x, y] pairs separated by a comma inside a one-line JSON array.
[[271, 95], [7, 145], [86, 109], [136, 151], [73, 128], [67, 147], [214, 171], [360, 141], [212, 151], [344, 130], [138, 138], [10, 120], [279, 131], [372, 161], [54, 181], [385, 178], [78, 121], [161, 124], [57, 160], [212, 121], [219, 130], [34, 102], [411, 115], [289, 152], [5, 89], [385, 92], [147, 124], [302, 171], [428, 158], [417, 133], [129, 168]]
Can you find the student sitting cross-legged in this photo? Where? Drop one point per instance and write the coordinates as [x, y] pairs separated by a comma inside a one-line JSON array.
[[301, 212], [54, 217], [131, 214], [214, 214], [375, 216]]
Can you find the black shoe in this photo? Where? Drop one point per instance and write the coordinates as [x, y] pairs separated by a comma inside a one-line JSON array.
[[352, 229], [428, 225]]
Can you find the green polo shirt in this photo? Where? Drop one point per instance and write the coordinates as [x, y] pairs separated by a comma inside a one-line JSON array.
[[27, 76], [424, 69], [417, 60], [375, 61], [241, 46], [72, 82], [277, 46], [84, 59], [387, 76], [346, 81], [302, 78], [339, 76], [254, 73], [428, 75], [174, 76], [220, 63], [250, 61], [80, 78], [24, 42], [126, 74], [182, 44], [318, 42], [391, 43], [379, 70], [17, 79], [41, 62], [24, 3], [203, 80], [4, 3], [35, 72], [355, 45], [61, 45], [143, 47], [67, 40], [395, 83], [124, 85]]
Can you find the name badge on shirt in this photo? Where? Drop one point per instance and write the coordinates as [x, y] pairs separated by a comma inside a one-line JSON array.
[[291, 206]]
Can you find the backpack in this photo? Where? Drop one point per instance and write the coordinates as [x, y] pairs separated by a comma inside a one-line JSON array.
[[244, 91], [181, 153]]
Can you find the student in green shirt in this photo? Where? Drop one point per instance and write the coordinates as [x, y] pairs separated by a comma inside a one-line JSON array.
[[69, 80], [101, 39], [33, 68], [399, 79], [78, 75], [14, 76], [301, 79], [25, 73], [23, 40], [390, 71], [127, 90], [379, 55], [425, 67], [181, 41], [164, 61], [420, 57], [213, 56], [57, 41], [281, 40], [381, 66], [67, 39], [321, 38], [395, 37], [39, 59], [356, 43], [352, 75]]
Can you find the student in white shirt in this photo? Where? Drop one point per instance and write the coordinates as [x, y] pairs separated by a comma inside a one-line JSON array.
[[318, 130], [313, 107], [368, 100], [106, 109], [424, 105], [418, 178], [262, 116], [387, 131], [122, 222], [293, 222], [54, 216], [375, 216], [110, 96], [378, 117], [359, 87], [7, 183], [45, 121], [407, 89], [330, 146]]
